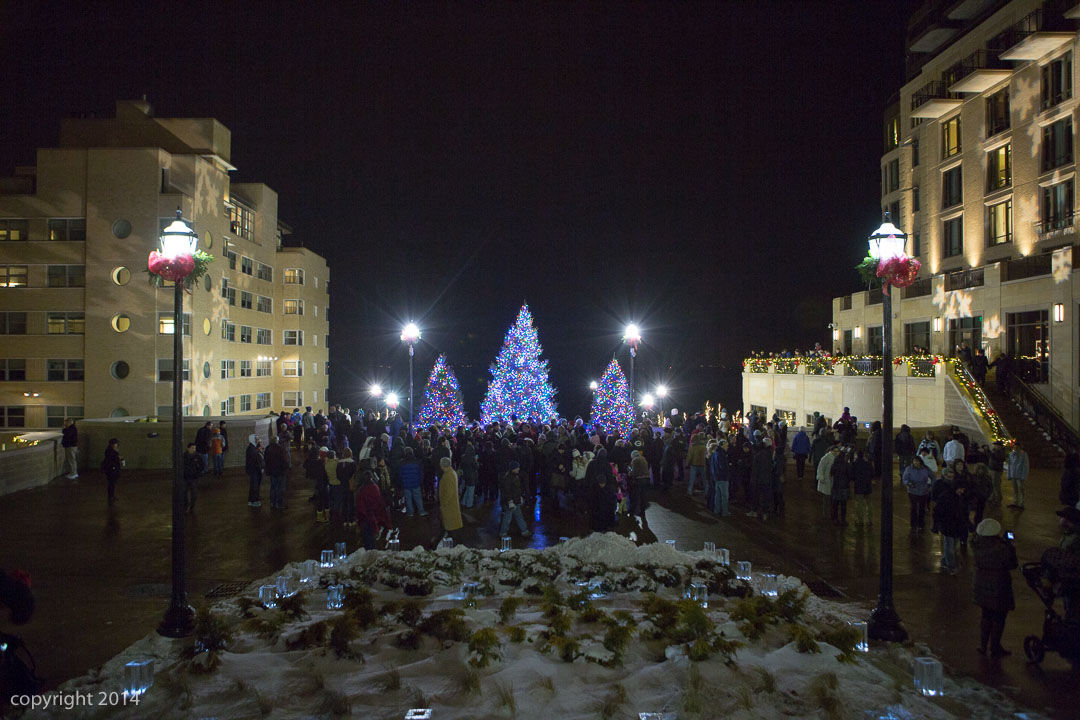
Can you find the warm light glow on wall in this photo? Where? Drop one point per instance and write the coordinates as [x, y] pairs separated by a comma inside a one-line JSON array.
[[835, 334], [1059, 312], [857, 332], [937, 324]]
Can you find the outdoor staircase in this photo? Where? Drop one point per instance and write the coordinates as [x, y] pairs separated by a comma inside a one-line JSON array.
[[1042, 452]]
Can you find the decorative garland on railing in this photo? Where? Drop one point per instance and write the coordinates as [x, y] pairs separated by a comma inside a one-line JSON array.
[[981, 403], [825, 365]]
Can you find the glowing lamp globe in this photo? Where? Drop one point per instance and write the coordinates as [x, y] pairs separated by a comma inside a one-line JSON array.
[[661, 391], [392, 400], [410, 333], [632, 334], [178, 239], [375, 390], [887, 242], [647, 400], [593, 385]]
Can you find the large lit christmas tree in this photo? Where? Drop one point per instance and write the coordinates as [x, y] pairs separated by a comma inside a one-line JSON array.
[[519, 385], [611, 408], [442, 398]]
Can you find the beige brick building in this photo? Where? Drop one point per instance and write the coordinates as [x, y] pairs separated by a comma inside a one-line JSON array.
[[84, 334], [979, 169]]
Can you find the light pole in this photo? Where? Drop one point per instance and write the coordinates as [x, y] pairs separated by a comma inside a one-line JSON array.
[[647, 402], [409, 335], [632, 336], [178, 244], [887, 243], [376, 392], [661, 392]]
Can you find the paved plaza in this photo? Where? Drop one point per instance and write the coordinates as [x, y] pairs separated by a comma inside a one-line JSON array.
[[101, 573]]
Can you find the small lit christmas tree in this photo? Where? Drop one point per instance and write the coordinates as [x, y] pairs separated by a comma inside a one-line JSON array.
[[442, 398], [519, 385], [611, 408]]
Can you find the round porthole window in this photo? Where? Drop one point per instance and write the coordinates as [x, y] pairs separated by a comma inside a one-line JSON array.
[[206, 369], [207, 240], [206, 282], [119, 412], [119, 370], [121, 275], [206, 326], [206, 411], [121, 229], [120, 322]]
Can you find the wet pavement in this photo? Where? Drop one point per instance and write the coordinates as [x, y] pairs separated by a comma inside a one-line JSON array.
[[101, 573]]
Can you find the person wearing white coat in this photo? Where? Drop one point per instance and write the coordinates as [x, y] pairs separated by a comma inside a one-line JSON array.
[[824, 479]]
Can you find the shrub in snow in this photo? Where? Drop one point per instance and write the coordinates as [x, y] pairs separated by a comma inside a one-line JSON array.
[[483, 647]]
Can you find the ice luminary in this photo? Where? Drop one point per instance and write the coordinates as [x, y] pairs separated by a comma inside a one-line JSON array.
[[725, 556], [742, 569], [770, 587], [864, 636], [138, 677], [268, 596], [326, 559], [335, 597], [339, 551], [929, 679]]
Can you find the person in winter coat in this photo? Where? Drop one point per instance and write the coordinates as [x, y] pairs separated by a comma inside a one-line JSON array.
[[825, 481], [111, 466], [345, 499], [917, 479], [874, 446], [718, 464], [410, 478], [278, 464], [841, 487], [510, 500], [761, 474], [862, 484], [696, 460], [904, 446], [950, 519], [741, 465], [448, 497], [601, 489], [1018, 471], [470, 472], [667, 462], [995, 557], [800, 447], [193, 469], [253, 466], [640, 480], [819, 448], [930, 443], [369, 507], [217, 452], [996, 463], [1070, 481]]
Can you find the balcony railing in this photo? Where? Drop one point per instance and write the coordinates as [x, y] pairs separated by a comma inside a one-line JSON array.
[[933, 90], [964, 279], [1038, 407], [1060, 223], [786, 366], [1027, 267], [978, 60], [919, 288], [865, 365]]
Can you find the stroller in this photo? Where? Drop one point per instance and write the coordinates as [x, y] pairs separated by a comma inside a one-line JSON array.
[[1058, 575]]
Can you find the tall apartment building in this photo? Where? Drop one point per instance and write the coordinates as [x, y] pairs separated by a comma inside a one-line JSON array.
[[82, 331], [979, 169]]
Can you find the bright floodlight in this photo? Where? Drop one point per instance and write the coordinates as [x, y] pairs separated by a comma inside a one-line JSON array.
[[632, 334], [661, 391], [888, 241], [593, 385], [647, 400], [392, 400], [375, 390], [410, 333], [178, 239]]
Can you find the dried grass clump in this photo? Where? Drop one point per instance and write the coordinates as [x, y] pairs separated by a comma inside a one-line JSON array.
[[506, 697], [615, 699], [824, 695]]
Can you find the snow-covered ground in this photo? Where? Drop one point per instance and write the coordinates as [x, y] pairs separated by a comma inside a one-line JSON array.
[[602, 630]]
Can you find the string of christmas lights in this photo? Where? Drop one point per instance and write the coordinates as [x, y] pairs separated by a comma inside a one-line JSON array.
[[611, 408], [442, 398], [519, 385]]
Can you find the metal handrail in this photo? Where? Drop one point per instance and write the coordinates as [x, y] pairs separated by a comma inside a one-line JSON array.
[[1060, 430], [985, 411]]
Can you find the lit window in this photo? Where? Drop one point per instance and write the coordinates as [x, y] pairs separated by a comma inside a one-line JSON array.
[[14, 230], [61, 323], [166, 323], [999, 168], [12, 276], [293, 276], [292, 368], [292, 399], [73, 230], [997, 112], [999, 219], [950, 137], [293, 307]]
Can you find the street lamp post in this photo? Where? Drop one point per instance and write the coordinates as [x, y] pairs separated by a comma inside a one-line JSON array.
[[409, 335], [888, 241], [178, 240], [632, 336]]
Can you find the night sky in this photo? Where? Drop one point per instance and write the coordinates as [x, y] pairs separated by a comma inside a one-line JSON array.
[[709, 170]]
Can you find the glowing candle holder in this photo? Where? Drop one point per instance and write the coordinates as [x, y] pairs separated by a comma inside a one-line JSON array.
[[282, 585], [419, 714], [742, 570], [393, 544], [929, 678], [770, 586], [699, 593], [864, 636], [138, 677], [563, 538], [326, 559], [656, 716], [710, 547], [725, 556], [335, 597], [670, 544], [307, 571], [339, 551], [447, 542], [268, 596], [505, 544]]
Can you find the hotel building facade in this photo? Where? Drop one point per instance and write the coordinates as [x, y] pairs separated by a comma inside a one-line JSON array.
[[83, 333]]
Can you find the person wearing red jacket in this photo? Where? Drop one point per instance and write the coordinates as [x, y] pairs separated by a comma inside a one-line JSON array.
[[370, 509]]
